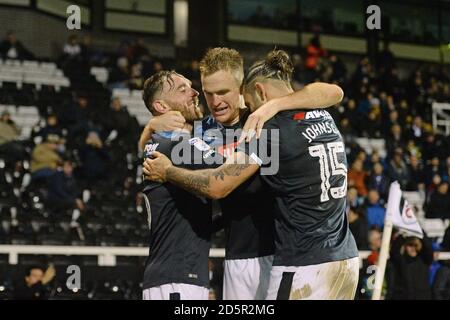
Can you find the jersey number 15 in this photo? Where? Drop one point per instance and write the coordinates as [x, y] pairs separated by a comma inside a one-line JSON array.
[[327, 161]]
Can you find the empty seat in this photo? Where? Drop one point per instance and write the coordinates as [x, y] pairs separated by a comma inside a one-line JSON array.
[[434, 228], [121, 93]]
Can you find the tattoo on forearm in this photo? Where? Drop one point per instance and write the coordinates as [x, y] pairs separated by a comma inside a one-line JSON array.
[[230, 170], [198, 182]]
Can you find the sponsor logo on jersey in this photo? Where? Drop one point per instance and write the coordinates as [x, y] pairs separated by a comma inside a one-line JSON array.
[[227, 150], [316, 114], [199, 144], [149, 149]]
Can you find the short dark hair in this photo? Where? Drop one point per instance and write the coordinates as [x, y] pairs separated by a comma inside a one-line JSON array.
[[154, 85], [31, 268]]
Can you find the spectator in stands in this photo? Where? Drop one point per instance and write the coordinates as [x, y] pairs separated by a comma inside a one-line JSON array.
[[34, 286], [395, 140], [45, 158], [432, 169], [9, 131], [375, 237], [339, 69], [386, 59], [410, 259], [375, 211], [94, 159], [416, 180], [352, 198], [397, 170], [393, 120], [63, 191], [436, 265], [72, 48], [357, 177], [118, 77], [52, 127], [430, 148], [416, 132], [441, 285], [11, 149], [11, 48], [371, 128], [438, 207], [413, 149], [139, 49], [379, 181], [314, 53], [135, 82], [359, 228], [351, 115], [120, 120]]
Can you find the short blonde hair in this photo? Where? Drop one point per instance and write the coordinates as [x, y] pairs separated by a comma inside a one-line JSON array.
[[226, 59]]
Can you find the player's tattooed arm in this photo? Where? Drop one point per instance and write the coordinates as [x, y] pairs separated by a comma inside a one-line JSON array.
[[211, 183], [316, 95]]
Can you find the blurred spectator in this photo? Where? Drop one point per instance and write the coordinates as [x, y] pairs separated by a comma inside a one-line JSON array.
[[94, 159], [397, 170], [436, 265], [375, 211], [386, 59], [372, 126], [438, 206], [34, 286], [410, 258], [357, 177], [416, 180], [118, 77], [413, 149], [10, 148], [375, 237], [379, 181], [430, 148], [392, 120], [139, 49], [352, 197], [120, 120], [11, 48], [395, 141], [416, 131], [135, 82], [314, 52], [432, 169], [9, 131], [359, 228], [339, 69], [52, 127], [441, 284], [72, 48], [63, 191], [45, 158]]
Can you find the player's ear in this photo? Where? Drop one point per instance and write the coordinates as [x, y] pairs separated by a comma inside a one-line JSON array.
[[260, 92], [160, 106]]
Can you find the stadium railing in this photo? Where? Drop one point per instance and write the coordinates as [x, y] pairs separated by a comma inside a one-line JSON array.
[[107, 255]]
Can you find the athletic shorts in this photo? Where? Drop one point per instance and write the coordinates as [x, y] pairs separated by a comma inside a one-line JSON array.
[[246, 279], [335, 280], [176, 291]]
